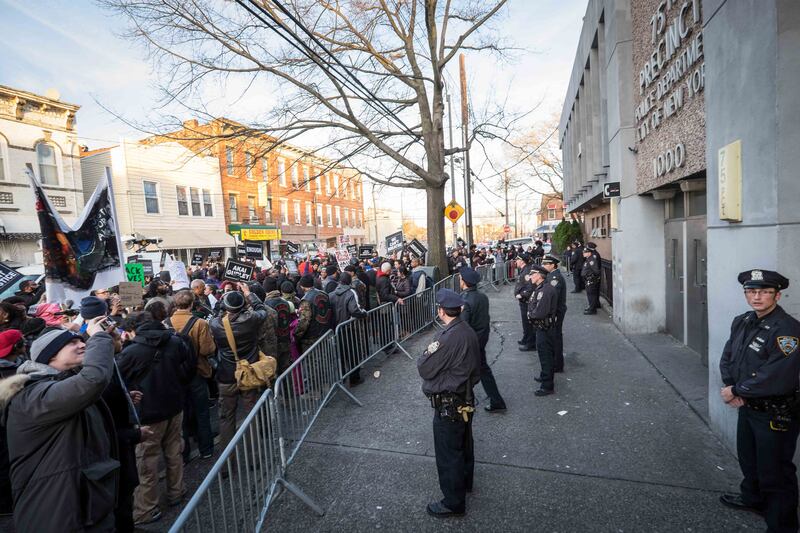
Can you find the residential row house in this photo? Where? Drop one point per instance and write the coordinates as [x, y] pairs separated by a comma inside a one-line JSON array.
[[549, 215], [36, 130], [276, 192]]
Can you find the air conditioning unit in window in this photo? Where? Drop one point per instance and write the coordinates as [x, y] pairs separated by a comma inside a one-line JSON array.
[[254, 220]]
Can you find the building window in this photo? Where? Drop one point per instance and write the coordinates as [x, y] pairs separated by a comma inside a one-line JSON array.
[[338, 217], [328, 185], [3, 159], [330, 216], [6, 198], [248, 163], [183, 201], [360, 219], [251, 209], [336, 185], [194, 196], [306, 179], [551, 214], [295, 183], [297, 214], [268, 211], [151, 197], [358, 190], [308, 213], [229, 160], [353, 188], [48, 169], [58, 201], [282, 172], [284, 211], [319, 179], [319, 215], [346, 218], [264, 169], [233, 208], [208, 210]]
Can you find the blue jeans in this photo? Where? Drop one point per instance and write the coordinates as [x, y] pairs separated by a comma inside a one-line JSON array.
[[200, 419]]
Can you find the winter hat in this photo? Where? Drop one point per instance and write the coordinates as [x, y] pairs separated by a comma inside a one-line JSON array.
[[233, 301], [345, 278], [331, 270], [33, 326], [92, 307], [49, 344], [287, 287], [307, 281], [270, 284], [8, 339]]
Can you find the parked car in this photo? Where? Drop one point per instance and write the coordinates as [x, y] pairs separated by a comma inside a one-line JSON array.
[[14, 287]]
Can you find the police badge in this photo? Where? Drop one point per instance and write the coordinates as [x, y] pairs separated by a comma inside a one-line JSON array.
[[756, 275], [432, 347], [554, 282], [787, 345]]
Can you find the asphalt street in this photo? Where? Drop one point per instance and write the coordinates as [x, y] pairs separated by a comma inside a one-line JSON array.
[[617, 448]]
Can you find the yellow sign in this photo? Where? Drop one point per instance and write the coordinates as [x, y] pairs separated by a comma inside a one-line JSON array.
[[258, 234], [453, 211], [730, 182]]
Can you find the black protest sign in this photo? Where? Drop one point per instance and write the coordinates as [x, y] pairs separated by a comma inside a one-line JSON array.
[[292, 248], [238, 271], [215, 254], [8, 276], [352, 249], [241, 251], [197, 259], [417, 248], [291, 266], [148, 267], [365, 251], [133, 259], [253, 249], [394, 242]]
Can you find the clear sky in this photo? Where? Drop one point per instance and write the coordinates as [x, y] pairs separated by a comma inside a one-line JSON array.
[[76, 47]]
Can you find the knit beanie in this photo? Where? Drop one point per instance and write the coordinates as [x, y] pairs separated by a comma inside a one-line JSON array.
[[287, 287], [47, 345], [307, 281], [233, 301], [92, 307]]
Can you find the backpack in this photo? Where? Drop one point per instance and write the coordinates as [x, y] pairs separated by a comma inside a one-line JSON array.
[[184, 335]]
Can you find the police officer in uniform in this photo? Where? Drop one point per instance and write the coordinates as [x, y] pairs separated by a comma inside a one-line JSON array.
[[522, 292], [449, 368], [543, 313], [315, 315], [759, 368], [576, 264], [556, 279], [590, 272], [475, 312]]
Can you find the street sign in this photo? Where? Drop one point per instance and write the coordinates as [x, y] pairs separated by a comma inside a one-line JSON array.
[[611, 189], [236, 271], [394, 242], [507, 228], [453, 211]]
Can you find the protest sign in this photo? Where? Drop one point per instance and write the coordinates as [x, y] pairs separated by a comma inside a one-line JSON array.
[[8, 276], [197, 259], [241, 251], [253, 249], [238, 271], [292, 248], [148, 267], [394, 242], [178, 275], [291, 266], [353, 250], [343, 258], [417, 248], [130, 294], [365, 251], [135, 272]]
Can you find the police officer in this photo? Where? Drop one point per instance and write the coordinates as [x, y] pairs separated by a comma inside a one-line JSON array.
[[475, 312], [449, 368], [543, 313], [556, 279], [576, 264], [759, 368], [590, 272], [522, 292]]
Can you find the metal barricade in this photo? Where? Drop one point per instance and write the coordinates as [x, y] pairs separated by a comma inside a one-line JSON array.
[[488, 276], [360, 339], [237, 492], [414, 314]]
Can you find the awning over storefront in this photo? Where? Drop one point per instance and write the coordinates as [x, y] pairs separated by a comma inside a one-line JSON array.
[[546, 228], [193, 238]]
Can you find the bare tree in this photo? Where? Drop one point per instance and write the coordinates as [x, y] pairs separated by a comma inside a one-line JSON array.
[[536, 161], [364, 78]]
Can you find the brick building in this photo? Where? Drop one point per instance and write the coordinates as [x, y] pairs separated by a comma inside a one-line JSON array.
[[549, 215]]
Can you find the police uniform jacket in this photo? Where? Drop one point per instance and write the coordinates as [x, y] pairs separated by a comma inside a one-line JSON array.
[[556, 280], [476, 312], [523, 287], [577, 259], [543, 303], [591, 268], [451, 363], [761, 357]]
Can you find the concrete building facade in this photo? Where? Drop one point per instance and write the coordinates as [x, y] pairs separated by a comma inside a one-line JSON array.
[[40, 131]]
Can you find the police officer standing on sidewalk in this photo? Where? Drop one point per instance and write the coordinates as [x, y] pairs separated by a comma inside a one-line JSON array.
[[522, 292], [590, 272], [759, 368], [556, 279], [576, 264], [475, 312], [449, 368], [543, 313]]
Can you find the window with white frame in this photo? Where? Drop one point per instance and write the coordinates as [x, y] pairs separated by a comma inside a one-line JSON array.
[[183, 201], [306, 179], [282, 172], [233, 207], [308, 214], [295, 182], [358, 190], [338, 217], [336, 185], [264, 169], [346, 217], [297, 214], [328, 185], [229, 160], [352, 188], [319, 214], [251, 209], [248, 163], [330, 216], [208, 208], [360, 219], [151, 197], [48, 167], [284, 211], [268, 211], [3, 158], [319, 183], [194, 196]]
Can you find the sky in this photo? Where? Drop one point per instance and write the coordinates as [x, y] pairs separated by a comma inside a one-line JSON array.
[[78, 48]]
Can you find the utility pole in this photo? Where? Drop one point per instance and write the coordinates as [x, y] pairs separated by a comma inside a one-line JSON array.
[[505, 188], [465, 137], [452, 166]]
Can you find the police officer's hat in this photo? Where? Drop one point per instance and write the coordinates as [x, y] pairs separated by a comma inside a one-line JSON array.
[[550, 260], [448, 299], [590, 246], [524, 257], [757, 279], [470, 275], [539, 269]]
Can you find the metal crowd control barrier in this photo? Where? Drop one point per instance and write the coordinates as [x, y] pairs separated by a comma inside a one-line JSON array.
[[414, 314], [237, 492], [488, 276]]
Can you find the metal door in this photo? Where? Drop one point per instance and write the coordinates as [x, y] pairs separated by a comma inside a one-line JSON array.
[[697, 303], [673, 234]]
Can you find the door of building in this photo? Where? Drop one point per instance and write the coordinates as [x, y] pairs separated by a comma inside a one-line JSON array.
[[696, 299], [674, 248]]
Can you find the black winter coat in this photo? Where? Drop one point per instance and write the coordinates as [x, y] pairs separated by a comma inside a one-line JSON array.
[[246, 327]]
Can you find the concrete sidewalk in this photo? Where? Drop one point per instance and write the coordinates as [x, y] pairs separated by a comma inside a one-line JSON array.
[[617, 448]]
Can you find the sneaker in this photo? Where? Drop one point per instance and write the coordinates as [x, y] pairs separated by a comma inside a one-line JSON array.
[[208, 455], [155, 516]]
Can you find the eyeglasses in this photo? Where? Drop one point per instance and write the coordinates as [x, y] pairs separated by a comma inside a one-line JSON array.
[[759, 292]]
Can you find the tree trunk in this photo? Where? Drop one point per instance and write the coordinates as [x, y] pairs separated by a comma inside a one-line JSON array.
[[437, 254]]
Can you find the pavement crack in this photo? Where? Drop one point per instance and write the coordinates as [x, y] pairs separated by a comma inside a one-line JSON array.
[[497, 332]]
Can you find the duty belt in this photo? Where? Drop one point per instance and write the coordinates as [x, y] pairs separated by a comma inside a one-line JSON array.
[[544, 323], [451, 406], [776, 405]]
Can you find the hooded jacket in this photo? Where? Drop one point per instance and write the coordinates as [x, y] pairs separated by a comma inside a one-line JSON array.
[[159, 364], [344, 301], [61, 443], [386, 292]]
